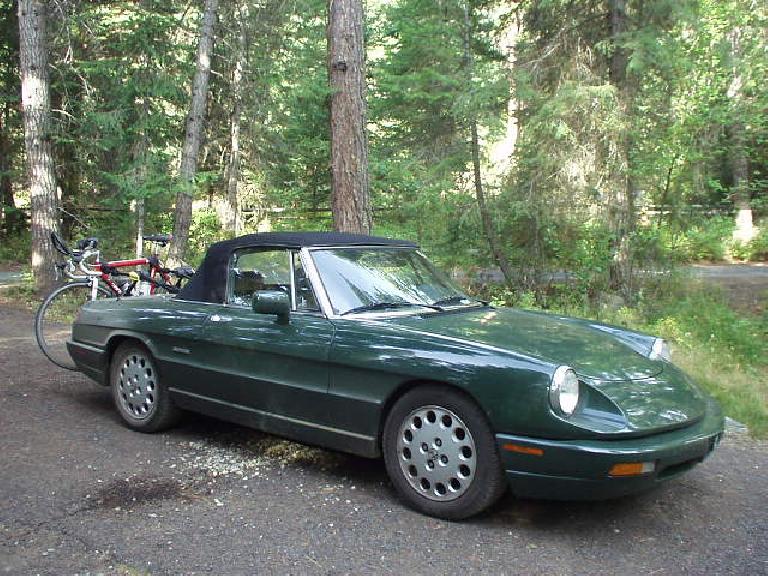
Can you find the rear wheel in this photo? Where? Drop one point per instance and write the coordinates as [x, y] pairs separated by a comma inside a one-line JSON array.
[[138, 392], [54, 319], [441, 455]]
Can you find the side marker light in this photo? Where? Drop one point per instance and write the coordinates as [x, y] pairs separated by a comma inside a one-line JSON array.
[[523, 449]]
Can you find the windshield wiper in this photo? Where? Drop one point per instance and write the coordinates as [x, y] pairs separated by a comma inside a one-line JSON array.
[[390, 305], [457, 299]]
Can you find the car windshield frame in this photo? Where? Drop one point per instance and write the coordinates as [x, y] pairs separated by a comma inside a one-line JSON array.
[[334, 308]]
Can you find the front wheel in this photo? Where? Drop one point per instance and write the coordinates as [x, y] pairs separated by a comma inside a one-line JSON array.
[[54, 319], [441, 455]]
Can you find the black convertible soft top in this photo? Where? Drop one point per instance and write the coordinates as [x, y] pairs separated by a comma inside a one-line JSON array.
[[209, 282]]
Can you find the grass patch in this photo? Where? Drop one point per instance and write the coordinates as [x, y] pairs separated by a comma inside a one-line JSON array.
[[21, 294], [741, 390]]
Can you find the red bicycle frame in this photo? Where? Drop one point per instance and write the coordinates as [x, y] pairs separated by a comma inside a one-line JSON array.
[[154, 270]]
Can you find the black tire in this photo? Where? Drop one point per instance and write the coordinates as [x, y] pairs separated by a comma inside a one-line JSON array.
[[142, 401], [54, 319], [466, 475]]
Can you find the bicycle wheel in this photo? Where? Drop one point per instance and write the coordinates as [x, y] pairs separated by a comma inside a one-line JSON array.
[[54, 319]]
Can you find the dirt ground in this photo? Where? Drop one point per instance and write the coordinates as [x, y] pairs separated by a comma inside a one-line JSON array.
[[82, 494]]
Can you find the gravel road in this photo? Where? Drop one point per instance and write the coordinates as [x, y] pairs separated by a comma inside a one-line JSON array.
[[10, 277], [81, 494]]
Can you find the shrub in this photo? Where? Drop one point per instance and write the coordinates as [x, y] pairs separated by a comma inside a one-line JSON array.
[[758, 247], [16, 249], [707, 240], [755, 250]]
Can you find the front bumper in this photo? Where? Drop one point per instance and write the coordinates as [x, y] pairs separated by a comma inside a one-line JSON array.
[[578, 469]]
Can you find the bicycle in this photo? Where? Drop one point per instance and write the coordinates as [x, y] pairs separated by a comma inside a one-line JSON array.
[[89, 279], [158, 279]]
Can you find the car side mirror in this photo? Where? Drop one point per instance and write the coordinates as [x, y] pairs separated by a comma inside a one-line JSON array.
[[272, 302]]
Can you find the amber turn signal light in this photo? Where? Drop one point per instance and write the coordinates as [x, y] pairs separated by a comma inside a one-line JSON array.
[[631, 469], [523, 449]]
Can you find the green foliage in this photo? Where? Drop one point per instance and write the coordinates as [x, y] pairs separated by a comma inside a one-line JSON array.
[[290, 135], [204, 230], [589, 255], [420, 105], [758, 246], [755, 250], [119, 92], [699, 317], [16, 249], [121, 80], [707, 240]]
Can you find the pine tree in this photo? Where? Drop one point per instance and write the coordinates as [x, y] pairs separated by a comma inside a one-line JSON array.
[[194, 134], [349, 141], [36, 103]]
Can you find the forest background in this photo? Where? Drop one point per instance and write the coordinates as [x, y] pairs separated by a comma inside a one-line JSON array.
[[577, 153]]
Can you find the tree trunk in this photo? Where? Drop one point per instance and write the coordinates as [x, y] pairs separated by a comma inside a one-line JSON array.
[[139, 209], [194, 134], [140, 180], [36, 104], [140, 147], [744, 230], [502, 153], [622, 213], [233, 167], [490, 232], [737, 154], [350, 201], [618, 64]]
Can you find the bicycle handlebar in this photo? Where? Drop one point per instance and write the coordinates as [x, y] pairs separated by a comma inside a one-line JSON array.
[[82, 263], [90, 243]]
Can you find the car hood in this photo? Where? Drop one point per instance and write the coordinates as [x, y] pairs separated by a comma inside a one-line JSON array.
[[558, 340], [653, 395]]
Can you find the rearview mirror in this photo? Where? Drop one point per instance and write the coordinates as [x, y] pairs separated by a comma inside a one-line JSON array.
[[272, 302]]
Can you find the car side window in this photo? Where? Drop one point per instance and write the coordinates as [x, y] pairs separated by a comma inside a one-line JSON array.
[[255, 270]]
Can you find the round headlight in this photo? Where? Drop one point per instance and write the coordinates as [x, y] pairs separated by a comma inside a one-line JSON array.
[[660, 350], [564, 390]]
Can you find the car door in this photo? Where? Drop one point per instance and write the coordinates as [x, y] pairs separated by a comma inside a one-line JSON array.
[[255, 364]]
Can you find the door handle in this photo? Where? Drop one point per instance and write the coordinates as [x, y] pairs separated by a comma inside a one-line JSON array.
[[180, 350], [217, 318]]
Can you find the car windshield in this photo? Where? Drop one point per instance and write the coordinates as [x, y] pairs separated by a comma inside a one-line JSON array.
[[382, 279]]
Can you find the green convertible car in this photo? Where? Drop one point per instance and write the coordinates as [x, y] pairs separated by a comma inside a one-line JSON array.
[[359, 344]]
